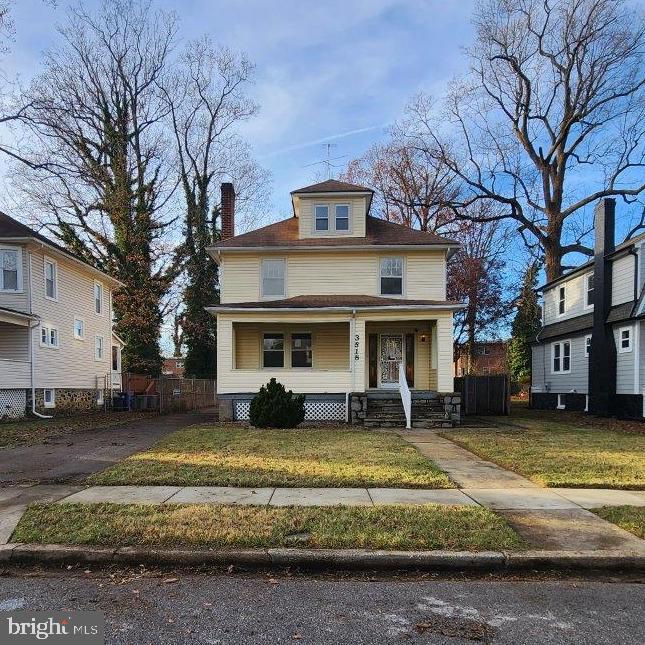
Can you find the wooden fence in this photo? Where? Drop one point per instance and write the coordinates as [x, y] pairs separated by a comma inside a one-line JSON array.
[[484, 395], [168, 394]]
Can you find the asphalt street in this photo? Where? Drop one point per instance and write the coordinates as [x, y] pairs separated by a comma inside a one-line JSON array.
[[245, 608]]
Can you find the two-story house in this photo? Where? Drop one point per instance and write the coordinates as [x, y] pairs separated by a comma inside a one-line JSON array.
[[590, 352], [333, 302], [57, 347]]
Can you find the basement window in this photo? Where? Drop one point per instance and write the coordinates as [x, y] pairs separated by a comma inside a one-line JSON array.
[[49, 398]]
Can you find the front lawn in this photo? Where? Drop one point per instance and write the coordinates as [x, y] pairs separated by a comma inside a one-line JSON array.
[[561, 454], [460, 528], [209, 455], [630, 518]]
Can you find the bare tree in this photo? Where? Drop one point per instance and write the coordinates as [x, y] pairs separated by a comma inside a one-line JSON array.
[[550, 118], [96, 117]]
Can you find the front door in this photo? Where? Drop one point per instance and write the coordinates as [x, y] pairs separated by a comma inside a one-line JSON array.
[[390, 355]]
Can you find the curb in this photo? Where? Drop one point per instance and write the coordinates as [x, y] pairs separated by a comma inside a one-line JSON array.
[[321, 559]]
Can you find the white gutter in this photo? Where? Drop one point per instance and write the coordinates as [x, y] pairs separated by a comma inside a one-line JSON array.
[[342, 309], [332, 248]]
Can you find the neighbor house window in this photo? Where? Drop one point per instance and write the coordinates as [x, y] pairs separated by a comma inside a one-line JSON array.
[[589, 290], [11, 269], [562, 300], [51, 279], [116, 366], [342, 217], [587, 346], [273, 350], [98, 348], [391, 276], [301, 350], [79, 329], [48, 336], [179, 364], [49, 398], [98, 297], [561, 353], [273, 272], [625, 340], [321, 212]]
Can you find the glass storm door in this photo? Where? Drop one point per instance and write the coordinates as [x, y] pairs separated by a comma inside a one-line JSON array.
[[391, 354]]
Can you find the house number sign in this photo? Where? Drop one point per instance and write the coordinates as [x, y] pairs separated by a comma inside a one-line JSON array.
[[357, 344]]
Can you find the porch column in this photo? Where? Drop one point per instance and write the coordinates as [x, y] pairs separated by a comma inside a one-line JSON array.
[[357, 354], [225, 348], [444, 354]]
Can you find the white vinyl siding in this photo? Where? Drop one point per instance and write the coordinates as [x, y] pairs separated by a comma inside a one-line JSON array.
[[575, 300], [543, 379], [624, 363], [622, 280]]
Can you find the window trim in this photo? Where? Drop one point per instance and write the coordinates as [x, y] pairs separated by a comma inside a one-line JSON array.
[[562, 289], [100, 284], [403, 276], [321, 231], [19, 277], [561, 343], [587, 345], [48, 329], [284, 348], [263, 296], [291, 335], [76, 336], [48, 260], [629, 348], [52, 403], [96, 356], [588, 276]]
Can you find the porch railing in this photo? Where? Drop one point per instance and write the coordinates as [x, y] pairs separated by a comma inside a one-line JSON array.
[[406, 397]]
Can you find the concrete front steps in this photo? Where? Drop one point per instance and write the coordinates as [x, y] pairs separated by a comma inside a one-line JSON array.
[[385, 410]]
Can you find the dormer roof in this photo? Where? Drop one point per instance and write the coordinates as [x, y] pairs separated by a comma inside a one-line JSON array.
[[333, 186]]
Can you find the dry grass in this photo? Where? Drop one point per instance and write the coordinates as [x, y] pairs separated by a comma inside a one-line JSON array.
[[208, 526], [630, 518], [221, 455]]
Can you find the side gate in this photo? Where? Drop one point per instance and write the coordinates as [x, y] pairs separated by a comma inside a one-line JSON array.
[[485, 395]]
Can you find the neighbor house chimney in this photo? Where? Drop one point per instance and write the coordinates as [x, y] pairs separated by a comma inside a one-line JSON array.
[[602, 359], [228, 210]]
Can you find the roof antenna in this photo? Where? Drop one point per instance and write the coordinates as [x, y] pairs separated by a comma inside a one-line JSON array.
[[328, 162]]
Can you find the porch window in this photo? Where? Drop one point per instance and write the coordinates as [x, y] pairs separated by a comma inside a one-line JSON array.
[[301, 350], [342, 217], [273, 272], [322, 217], [273, 350], [10, 275], [392, 276]]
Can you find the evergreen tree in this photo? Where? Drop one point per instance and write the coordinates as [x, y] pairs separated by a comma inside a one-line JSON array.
[[525, 327]]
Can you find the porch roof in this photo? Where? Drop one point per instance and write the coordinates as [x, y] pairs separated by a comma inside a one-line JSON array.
[[15, 317], [336, 303]]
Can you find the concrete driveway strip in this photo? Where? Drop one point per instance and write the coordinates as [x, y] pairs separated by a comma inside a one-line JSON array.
[[320, 497], [122, 495], [222, 495]]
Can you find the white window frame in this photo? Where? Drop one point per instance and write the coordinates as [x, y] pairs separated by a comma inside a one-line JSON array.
[[265, 296], [588, 277], [285, 341], [630, 337], [587, 345], [322, 231], [48, 336], [52, 403], [380, 276], [291, 350], [102, 292], [561, 343], [96, 353], [19, 283], [47, 260], [78, 336], [343, 231], [560, 300]]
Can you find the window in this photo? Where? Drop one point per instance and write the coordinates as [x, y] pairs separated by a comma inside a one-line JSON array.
[[485, 350], [322, 217], [100, 397], [561, 354], [301, 350], [98, 297], [273, 350], [589, 290], [11, 273], [98, 348], [48, 336], [624, 340], [273, 272], [79, 329], [51, 279], [116, 359], [342, 217], [179, 364], [49, 398], [562, 300], [391, 276], [587, 346]]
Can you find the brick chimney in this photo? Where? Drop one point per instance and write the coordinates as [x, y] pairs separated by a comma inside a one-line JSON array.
[[602, 359], [228, 210]]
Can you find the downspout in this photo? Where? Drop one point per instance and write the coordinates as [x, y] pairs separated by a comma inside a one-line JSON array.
[[31, 344]]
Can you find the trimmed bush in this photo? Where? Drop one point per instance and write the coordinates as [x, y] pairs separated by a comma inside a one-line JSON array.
[[274, 407]]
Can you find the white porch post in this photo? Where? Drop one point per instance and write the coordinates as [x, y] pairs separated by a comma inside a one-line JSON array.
[[225, 347], [357, 358], [445, 382]]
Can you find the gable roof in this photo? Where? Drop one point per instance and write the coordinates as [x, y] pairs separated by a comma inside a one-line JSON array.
[[285, 234], [12, 229], [332, 186]]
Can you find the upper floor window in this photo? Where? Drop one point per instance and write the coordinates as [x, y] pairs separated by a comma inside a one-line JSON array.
[[322, 217], [589, 290], [98, 297], [562, 300], [79, 329], [51, 279], [391, 277], [342, 217], [624, 340], [301, 350], [11, 273], [273, 274], [98, 348], [587, 345], [561, 354]]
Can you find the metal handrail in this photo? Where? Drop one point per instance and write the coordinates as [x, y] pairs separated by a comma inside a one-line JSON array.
[[406, 397]]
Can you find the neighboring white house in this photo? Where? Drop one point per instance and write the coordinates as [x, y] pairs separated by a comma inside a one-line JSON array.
[[57, 345]]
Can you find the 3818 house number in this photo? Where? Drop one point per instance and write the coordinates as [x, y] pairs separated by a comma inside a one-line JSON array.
[[357, 344]]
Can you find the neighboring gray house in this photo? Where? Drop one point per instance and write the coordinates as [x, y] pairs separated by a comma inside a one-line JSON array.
[[590, 352]]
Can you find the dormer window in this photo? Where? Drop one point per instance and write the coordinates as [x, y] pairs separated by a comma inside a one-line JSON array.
[[322, 217], [342, 217]]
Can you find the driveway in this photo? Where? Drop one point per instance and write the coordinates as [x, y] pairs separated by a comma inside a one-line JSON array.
[[71, 458]]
